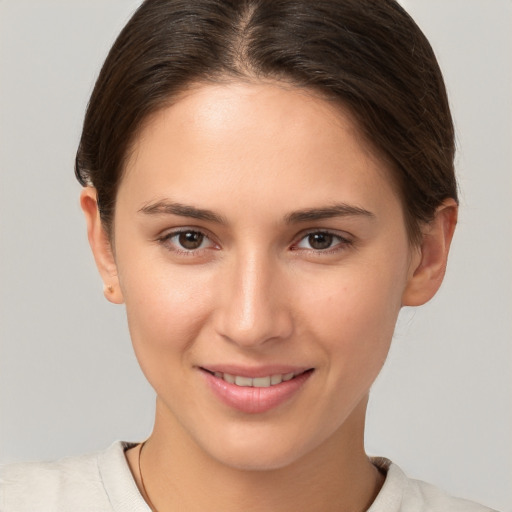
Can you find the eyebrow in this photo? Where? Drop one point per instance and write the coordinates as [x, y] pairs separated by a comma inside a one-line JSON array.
[[336, 210], [166, 207]]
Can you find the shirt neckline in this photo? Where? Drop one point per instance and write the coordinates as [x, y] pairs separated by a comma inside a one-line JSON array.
[[124, 495]]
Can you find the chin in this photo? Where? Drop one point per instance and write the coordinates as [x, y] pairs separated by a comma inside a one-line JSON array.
[[257, 460], [258, 451]]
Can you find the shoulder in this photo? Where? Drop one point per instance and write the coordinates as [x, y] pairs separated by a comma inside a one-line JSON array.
[[402, 494], [72, 483]]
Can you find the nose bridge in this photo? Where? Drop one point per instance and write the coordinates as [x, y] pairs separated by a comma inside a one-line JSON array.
[[254, 310]]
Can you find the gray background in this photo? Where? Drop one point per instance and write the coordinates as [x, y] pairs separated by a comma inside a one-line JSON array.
[[69, 382]]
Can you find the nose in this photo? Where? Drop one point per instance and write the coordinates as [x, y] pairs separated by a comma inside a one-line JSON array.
[[253, 308]]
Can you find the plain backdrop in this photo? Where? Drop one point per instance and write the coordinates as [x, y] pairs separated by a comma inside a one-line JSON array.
[[69, 383]]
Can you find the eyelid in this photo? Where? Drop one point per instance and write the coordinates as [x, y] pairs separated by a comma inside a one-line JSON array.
[[166, 235], [170, 231], [345, 240]]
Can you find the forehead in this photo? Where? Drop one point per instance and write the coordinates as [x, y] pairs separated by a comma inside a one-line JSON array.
[[249, 140], [272, 105]]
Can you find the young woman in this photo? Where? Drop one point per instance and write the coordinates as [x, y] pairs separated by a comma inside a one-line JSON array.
[[266, 184]]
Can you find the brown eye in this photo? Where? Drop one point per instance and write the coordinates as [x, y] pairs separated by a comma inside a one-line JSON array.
[[320, 241], [190, 240], [187, 242], [323, 242]]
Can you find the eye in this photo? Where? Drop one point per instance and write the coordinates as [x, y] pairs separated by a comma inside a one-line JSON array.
[[322, 241], [186, 241], [190, 240]]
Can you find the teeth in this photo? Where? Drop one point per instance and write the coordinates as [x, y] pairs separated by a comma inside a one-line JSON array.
[[261, 382], [276, 379], [228, 378], [257, 382], [243, 381]]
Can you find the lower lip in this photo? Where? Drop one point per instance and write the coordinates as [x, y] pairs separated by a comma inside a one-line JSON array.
[[252, 400]]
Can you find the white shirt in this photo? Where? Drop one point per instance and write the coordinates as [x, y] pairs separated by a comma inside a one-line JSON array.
[[102, 482]]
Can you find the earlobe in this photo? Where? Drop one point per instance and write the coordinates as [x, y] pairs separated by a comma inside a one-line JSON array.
[[101, 246], [429, 264]]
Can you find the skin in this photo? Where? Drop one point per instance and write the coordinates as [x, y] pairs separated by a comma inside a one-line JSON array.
[[258, 291]]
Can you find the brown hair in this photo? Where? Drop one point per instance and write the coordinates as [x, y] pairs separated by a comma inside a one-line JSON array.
[[367, 54]]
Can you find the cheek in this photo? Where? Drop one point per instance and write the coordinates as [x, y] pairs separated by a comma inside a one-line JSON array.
[[347, 320], [166, 308], [354, 313]]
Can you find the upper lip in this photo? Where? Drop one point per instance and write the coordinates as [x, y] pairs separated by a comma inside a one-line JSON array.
[[255, 371]]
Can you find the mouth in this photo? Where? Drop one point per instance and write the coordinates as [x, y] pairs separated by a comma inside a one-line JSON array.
[[257, 382], [254, 391]]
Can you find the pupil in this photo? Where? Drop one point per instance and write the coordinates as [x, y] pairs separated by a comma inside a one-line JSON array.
[[191, 239], [320, 240]]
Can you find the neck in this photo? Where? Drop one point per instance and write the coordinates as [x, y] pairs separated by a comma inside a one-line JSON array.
[[179, 475]]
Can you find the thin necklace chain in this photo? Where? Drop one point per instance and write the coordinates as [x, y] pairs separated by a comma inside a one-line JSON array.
[[146, 495]]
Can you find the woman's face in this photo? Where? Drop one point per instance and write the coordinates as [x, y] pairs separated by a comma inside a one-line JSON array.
[[259, 240]]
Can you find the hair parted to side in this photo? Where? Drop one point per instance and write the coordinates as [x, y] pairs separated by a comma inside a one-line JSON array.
[[368, 55]]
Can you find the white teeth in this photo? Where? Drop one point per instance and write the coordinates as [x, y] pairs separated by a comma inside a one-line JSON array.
[[276, 379], [261, 382], [257, 382], [243, 381], [228, 378]]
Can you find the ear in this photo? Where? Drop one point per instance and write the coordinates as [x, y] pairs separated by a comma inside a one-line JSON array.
[[428, 265], [101, 246]]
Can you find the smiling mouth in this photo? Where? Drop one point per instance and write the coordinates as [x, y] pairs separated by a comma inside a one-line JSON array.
[[256, 382]]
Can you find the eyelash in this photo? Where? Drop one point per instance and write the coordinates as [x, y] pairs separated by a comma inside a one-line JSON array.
[[174, 247], [341, 244]]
